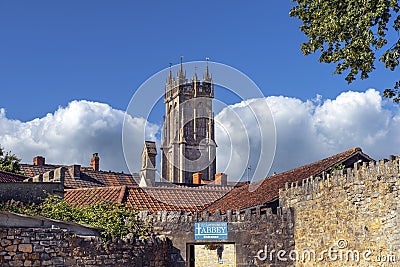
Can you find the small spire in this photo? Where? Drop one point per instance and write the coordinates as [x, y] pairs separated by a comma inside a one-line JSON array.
[[170, 76], [207, 77], [195, 75], [181, 77], [170, 81]]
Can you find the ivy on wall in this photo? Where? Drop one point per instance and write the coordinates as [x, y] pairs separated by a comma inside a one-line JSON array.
[[116, 219]]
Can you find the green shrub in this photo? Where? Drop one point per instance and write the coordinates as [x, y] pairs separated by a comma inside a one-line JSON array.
[[116, 219]]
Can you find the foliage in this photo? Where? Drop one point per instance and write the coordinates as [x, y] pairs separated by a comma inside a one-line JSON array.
[[9, 162], [337, 167], [116, 219], [349, 33], [17, 207]]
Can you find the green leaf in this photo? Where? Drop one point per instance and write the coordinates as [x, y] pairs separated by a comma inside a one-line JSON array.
[[9, 162], [349, 33]]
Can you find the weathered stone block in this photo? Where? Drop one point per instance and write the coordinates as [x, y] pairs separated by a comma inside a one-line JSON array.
[[12, 248], [57, 260], [16, 263], [5, 242], [46, 263], [38, 248], [28, 263], [25, 248]]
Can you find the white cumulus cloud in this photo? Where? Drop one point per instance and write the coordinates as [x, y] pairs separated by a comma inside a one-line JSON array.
[[73, 133], [307, 131]]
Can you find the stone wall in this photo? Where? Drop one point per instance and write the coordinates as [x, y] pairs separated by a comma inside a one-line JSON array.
[[57, 247], [29, 192], [348, 218], [352, 213], [249, 230]]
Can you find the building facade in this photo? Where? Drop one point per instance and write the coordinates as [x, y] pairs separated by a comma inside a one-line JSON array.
[[188, 142]]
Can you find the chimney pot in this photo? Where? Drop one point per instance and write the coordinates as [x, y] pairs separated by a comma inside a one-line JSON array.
[[197, 177], [221, 179], [95, 161], [39, 161], [75, 171]]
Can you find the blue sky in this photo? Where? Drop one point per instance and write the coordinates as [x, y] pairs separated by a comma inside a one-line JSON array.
[[55, 55], [53, 52]]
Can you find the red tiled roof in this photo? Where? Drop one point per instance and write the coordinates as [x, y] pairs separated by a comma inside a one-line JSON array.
[[153, 199], [111, 178], [88, 177], [268, 188], [87, 196], [144, 200], [11, 177], [33, 170]]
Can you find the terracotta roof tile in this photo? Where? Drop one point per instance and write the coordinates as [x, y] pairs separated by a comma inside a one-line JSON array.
[[11, 177], [153, 199], [33, 170], [268, 188], [87, 196], [88, 177]]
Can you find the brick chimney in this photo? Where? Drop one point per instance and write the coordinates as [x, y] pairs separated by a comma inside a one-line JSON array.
[[221, 179], [197, 177], [95, 162], [75, 171], [39, 161]]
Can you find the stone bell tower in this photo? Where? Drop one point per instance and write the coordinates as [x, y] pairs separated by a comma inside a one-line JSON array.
[[188, 142]]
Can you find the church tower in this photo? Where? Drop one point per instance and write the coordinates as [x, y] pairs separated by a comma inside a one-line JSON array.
[[188, 143]]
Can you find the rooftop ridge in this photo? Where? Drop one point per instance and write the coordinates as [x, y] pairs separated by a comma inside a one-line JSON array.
[[15, 174], [110, 187], [188, 188], [148, 187], [383, 171], [122, 194], [83, 168], [350, 152]]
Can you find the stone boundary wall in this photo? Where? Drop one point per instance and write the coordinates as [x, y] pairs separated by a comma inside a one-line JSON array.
[[250, 230], [29, 192], [58, 247], [34, 189], [355, 211], [383, 171]]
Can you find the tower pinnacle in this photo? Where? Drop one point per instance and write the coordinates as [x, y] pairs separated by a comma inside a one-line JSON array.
[[181, 76], [195, 75], [170, 75], [207, 76]]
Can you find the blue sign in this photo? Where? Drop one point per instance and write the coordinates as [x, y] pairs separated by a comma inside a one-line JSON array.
[[211, 231]]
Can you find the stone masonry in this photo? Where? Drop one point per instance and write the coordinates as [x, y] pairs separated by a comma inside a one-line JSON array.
[[345, 218], [249, 230], [350, 218], [35, 189], [58, 247]]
